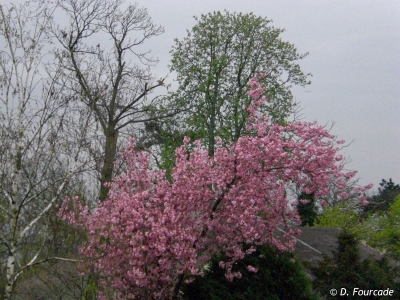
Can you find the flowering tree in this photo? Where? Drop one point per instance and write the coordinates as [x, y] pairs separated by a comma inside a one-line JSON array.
[[152, 234]]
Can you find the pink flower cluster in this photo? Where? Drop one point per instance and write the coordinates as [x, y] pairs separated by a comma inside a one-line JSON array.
[[151, 233]]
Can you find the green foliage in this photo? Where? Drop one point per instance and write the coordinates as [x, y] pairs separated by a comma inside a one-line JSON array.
[[214, 63], [279, 276], [380, 230], [342, 217], [385, 229], [346, 270], [168, 138], [91, 289], [307, 211]]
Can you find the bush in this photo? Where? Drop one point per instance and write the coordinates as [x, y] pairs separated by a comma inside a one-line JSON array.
[[279, 276], [346, 270]]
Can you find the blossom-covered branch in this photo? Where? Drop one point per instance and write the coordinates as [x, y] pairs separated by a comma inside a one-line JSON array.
[[154, 232]]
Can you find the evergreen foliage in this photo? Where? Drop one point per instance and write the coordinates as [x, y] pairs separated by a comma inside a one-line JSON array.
[[384, 198], [278, 276], [306, 209], [347, 270]]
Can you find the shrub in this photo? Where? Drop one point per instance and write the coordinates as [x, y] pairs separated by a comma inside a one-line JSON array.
[[278, 276]]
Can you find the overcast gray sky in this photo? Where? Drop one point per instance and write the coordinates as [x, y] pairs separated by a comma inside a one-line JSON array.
[[354, 57]]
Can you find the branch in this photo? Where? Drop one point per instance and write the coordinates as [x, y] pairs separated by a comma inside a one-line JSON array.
[[147, 120], [3, 209], [10, 199], [32, 263], [85, 87], [144, 93], [46, 209], [5, 241]]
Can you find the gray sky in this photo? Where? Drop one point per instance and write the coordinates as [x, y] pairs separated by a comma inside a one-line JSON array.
[[354, 56]]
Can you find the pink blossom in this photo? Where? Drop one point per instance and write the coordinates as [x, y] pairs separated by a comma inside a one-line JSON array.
[[151, 234], [323, 203], [304, 201], [252, 269], [339, 158]]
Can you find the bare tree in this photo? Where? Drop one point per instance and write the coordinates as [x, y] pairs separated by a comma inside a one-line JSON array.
[[107, 69], [35, 162]]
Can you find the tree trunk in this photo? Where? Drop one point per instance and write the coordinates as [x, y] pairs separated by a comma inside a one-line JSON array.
[[10, 272], [110, 151], [16, 187], [211, 135]]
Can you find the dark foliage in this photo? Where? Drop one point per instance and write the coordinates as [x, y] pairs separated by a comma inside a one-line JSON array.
[[386, 193], [307, 211], [279, 276], [347, 270]]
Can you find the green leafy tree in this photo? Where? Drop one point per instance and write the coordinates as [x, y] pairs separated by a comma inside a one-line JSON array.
[[278, 276], [347, 270], [214, 63]]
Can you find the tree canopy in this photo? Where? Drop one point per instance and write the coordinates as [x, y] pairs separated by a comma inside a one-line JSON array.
[[214, 63]]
